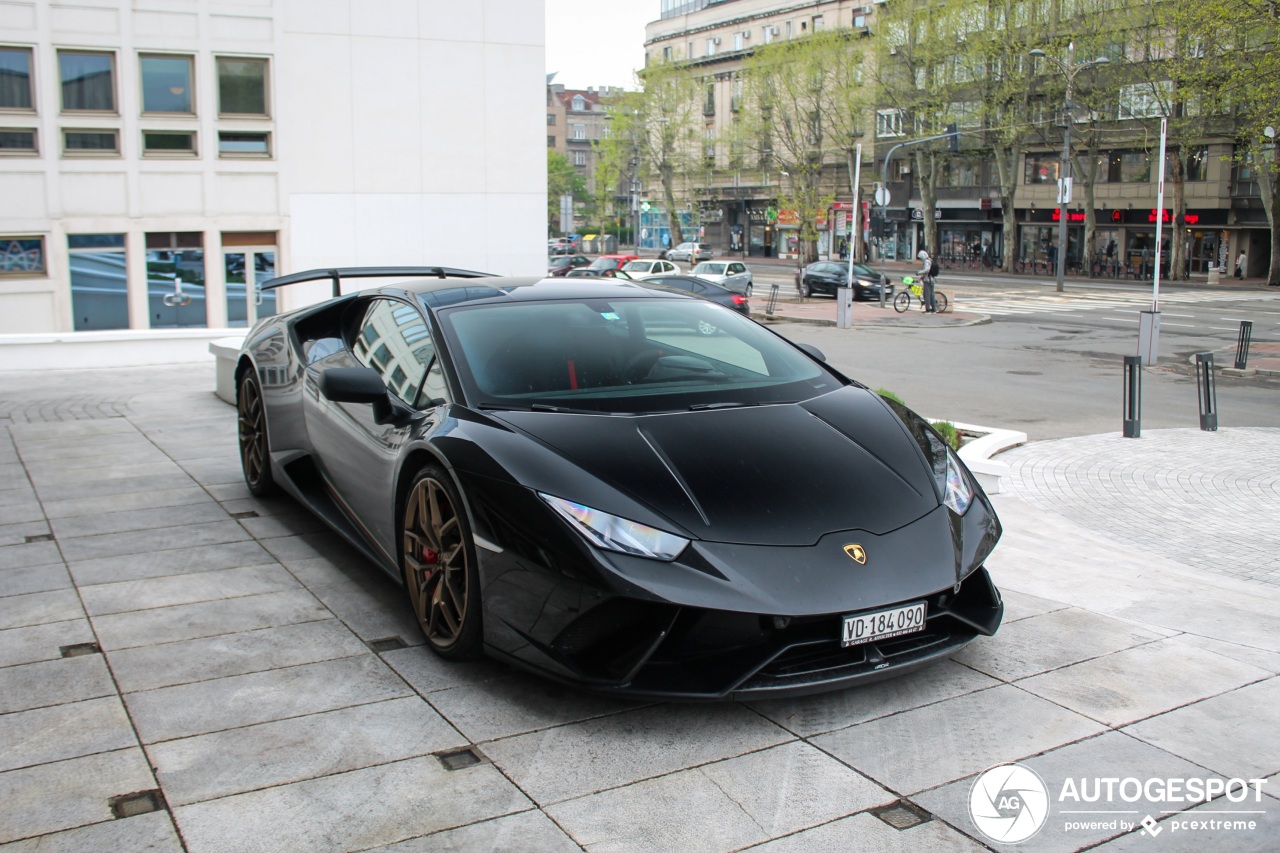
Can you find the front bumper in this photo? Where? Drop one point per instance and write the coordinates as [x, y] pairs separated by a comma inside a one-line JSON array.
[[662, 651]]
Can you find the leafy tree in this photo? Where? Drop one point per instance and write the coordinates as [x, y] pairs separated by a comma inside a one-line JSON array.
[[799, 114], [562, 179]]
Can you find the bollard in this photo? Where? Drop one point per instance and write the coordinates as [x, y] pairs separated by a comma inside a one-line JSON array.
[[772, 305], [1242, 344], [1133, 396], [1207, 391]]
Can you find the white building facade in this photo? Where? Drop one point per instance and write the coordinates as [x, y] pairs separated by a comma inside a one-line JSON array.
[[158, 158]]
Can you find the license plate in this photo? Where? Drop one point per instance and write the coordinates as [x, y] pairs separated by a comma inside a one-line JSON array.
[[866, 627]]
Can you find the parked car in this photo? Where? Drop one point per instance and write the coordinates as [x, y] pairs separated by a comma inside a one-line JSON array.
[[705, 289], [826, 276], [561, 246], [646, 267], [731, 274], [691, 252], [588, 272], [558, 266], [609, 262], [554, 472]]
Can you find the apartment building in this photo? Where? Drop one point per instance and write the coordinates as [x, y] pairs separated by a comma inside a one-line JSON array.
[[575, 121], [159, 160], [714, 37]]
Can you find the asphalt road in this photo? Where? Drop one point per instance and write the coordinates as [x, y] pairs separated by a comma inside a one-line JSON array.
[[1052, 365]]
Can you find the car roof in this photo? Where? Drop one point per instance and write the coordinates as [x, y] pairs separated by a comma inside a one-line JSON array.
[[527, 288]]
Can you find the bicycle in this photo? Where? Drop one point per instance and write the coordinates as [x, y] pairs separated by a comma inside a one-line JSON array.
[[902, 301]]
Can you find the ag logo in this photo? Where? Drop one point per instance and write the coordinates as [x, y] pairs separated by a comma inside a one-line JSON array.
[[1009, 803], [856, 553]]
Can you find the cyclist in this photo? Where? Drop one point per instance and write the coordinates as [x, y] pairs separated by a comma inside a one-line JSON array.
[[927, 282]]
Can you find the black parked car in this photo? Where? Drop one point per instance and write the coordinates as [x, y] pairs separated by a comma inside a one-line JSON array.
[[558, 473], [707, 290], [558, 266], [826, 276]]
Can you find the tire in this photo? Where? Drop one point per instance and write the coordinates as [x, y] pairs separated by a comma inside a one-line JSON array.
[[747, 292], [944, 304], [805, 290], [255, 447], [902, 302], [438, 564]]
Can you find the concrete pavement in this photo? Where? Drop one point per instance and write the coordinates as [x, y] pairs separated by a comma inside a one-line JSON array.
[[185, 667]]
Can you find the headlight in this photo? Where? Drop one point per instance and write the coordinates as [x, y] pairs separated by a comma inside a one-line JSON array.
[[957, 493], [618, 534]]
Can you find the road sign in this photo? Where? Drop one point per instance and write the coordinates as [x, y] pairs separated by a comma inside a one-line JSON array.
[[882, 196]]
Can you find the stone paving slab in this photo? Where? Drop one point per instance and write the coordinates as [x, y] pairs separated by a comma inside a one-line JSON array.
[[394, 801], [216, 765], [272, 725]]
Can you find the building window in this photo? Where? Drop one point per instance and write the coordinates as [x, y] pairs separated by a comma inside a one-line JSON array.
[[88, 81], [15, 79], [579, 103], [99, 293], [551, 120], [1145, 100], [90, 142], [579, 158], [244, 143], [166, 84], [579, 131], [1041, 169], [242, 86], [168, 143], [1197, 165], [1129, 167], [175, 279], [739, 40], [21, 255], [888, 123], [711, 46], [18, 140]]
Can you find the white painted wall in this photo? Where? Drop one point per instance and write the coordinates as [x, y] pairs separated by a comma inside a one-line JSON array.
[[403, 132]]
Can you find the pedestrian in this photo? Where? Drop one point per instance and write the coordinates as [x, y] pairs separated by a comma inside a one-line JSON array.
[[1146, 261], [1240, 264], [844, 248], [927, 282]]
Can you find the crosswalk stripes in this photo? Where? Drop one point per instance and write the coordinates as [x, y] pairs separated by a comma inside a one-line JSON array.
[[1022, 301]]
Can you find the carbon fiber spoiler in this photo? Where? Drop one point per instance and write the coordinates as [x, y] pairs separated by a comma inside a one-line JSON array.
[[338, 273]]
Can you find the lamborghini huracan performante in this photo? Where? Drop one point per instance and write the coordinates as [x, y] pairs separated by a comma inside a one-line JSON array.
[[572, 477]]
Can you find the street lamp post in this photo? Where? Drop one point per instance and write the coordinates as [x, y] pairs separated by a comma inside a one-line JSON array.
[[1069, 69]]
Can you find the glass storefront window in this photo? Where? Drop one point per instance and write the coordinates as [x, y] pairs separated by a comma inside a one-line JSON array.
[[99, 282], [175, 281]]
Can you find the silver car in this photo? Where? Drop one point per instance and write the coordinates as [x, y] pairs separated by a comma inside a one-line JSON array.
[[691, 252], [733, 275]]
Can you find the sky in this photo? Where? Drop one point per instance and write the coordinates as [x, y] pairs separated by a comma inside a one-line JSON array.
[[597, 42]]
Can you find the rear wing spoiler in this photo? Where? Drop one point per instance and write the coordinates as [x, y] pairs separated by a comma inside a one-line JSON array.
[[338, 273]]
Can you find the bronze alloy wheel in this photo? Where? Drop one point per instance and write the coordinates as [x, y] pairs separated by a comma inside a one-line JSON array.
[[255, 457], [439, 566]]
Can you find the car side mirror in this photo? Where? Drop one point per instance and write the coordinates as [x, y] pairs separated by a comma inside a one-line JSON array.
[[357, 385], [813, 352]]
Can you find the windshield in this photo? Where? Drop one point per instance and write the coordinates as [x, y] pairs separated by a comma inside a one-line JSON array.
[[603, 264], [624, 355], [706, 267], [637, 266]]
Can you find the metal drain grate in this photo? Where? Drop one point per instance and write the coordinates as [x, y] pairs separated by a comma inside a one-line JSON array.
[[76, 650], [387, 644], [248, 513], [139, 802], [901, 815], [456, 759]]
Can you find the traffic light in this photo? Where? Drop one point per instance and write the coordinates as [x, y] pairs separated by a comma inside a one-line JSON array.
[[953, 137]]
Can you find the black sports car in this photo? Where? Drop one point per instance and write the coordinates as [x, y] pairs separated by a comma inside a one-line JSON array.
[[826, 276], [570, 477]]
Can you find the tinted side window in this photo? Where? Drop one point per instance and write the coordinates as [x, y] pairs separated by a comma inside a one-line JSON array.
[[393, 340]]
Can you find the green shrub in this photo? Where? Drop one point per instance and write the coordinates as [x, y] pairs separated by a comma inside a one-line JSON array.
[[889, 395], [947, 430]]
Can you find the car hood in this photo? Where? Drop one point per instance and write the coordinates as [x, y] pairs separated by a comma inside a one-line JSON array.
[[784, 474]]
